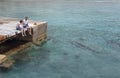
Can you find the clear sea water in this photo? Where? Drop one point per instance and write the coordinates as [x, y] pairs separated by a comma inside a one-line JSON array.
[[83, 39]]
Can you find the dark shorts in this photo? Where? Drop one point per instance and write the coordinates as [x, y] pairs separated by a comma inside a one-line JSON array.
[[25, 26], [18, 28]]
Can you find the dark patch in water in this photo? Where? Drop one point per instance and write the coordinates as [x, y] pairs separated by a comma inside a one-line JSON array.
[[37, 58], [54, 40], [23, 56], [116, 42], [113, 42], [77, 56], [80, 45], [41, 55], [81, 39], [65, 53], [49, 38]]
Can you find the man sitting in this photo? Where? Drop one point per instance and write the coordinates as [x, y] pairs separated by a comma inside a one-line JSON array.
[[27, 26]]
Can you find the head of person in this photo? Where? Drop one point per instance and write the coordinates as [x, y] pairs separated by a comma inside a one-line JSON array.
[[26, 18], [21, 21]]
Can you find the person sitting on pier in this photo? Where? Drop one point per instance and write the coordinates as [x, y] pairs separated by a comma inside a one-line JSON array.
[[20, 27], [27, 26]]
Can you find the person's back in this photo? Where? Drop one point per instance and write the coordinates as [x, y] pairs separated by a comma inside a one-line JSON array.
[[19, 25]]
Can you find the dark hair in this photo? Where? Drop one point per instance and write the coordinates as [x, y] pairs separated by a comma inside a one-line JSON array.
[[21, 21], [26, 17]]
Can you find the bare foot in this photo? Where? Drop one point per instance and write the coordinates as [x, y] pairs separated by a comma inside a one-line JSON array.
[[23, 35], [30, 33]]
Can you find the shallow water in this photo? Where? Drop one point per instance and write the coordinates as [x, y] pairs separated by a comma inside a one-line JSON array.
[[83, 39]]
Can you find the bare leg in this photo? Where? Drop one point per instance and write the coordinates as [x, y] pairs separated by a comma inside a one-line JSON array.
[[22, 31], [30, 31]]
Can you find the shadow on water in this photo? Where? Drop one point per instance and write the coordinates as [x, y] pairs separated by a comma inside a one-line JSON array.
[[33, 56], [81, 45], [114, 42]]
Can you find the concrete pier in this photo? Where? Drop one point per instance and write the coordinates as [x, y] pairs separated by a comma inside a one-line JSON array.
[[9, 36]]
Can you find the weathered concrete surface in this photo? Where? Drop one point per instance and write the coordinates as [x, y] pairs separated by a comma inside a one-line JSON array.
[[2, 58], [8, 30]]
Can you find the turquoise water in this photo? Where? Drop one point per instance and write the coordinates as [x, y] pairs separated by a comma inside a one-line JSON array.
[[83, 39]]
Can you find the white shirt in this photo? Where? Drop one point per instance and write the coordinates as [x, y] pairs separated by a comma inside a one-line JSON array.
[[20, 25], [25, 21]]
